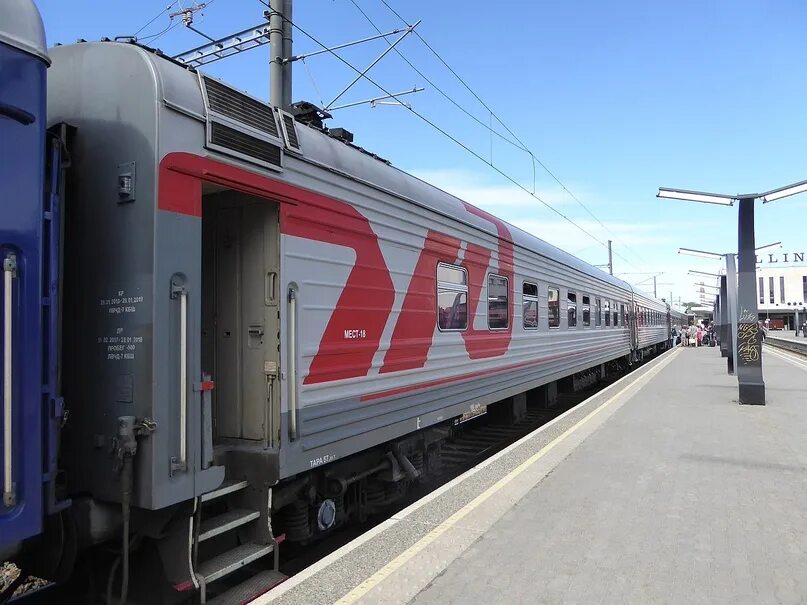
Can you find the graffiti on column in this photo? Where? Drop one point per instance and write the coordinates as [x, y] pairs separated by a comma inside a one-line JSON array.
[[748, 345]]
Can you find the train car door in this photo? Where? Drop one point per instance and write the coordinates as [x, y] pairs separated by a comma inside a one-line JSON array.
[[240, 315]]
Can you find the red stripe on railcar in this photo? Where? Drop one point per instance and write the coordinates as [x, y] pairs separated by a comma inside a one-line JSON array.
[[441, 381], [484, 343], [368, 295], [414, 330]]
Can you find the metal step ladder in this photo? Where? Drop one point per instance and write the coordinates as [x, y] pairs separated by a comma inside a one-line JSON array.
[[234, 531]]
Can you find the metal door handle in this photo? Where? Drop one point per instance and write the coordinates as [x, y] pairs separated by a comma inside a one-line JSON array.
[[9, 274], [269, 288]]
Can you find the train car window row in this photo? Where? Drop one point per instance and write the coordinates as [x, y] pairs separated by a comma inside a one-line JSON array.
[[553, 304], [529, 305], [586, 311], [571, 309], [498, 298], [452, 297], [648, 317], [452, 304]]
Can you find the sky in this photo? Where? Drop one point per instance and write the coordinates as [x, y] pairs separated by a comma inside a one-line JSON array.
[[612, 99]]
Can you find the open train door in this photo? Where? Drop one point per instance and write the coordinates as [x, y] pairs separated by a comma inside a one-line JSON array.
[[240, 323], [633, 326]]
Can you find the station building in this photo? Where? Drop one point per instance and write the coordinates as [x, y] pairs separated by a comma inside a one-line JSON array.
[[781, 288]]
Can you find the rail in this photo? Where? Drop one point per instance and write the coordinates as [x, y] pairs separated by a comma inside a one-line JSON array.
[[787, 344], [9, 274]]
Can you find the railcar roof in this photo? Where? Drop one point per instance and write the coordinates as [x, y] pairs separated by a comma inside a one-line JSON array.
[[181, 82], [21, 27]]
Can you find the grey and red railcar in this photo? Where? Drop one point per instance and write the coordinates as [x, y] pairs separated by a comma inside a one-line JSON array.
[[269, 331]]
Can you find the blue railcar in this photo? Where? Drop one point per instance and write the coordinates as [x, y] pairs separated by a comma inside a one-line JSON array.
[[29, 255]]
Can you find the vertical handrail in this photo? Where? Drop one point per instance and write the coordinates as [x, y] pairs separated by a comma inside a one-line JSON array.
[[9, 273], [292, 365], [179, 291], [183, 379]]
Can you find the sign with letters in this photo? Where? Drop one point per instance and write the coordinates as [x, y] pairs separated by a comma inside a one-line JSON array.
[[785, 257]]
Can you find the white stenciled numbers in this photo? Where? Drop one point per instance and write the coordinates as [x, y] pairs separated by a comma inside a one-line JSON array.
[[354, 334]]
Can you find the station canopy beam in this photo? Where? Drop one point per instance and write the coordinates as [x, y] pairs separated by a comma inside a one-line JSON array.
[[746, 335]]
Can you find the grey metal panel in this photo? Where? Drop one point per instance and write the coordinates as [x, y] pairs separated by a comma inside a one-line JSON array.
[[181, 88], [122, 259], [21, 27], [400, 220], [357, 429], [228, 334], [108, 259]]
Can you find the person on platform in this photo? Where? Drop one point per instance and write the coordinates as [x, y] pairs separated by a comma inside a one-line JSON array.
[[699, 335]]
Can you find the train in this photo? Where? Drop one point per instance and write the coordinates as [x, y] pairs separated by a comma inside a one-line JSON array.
[[228, 327]]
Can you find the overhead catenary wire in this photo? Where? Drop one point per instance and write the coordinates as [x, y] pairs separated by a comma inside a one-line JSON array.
[[516, 144], [522, 145], [449, 135], [157, 16], [313, 82], [153, 38]]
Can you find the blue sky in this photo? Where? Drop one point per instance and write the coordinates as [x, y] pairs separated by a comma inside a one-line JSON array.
[[616, 98]]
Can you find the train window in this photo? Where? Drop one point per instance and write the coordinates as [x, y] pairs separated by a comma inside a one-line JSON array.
[[571, 308], [616, 315], [607, 309], [497, 302], [622, 314], [553, 303], [452, 297], [597, 312], [529, 305], [586, 310]]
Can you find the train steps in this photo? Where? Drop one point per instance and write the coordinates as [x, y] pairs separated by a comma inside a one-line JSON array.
[[234, 532]]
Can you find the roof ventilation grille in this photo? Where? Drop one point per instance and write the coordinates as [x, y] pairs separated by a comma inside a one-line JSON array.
[[240, 125], [289, 126]]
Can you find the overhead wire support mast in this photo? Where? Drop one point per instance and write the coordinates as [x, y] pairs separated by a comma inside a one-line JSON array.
[[515, 142], [340, 46], [246, 39], [454, 139], [362, 74], [378, 100], [519, 144]]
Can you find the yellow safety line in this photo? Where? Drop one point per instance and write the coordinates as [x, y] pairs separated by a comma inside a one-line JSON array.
[[362, 589], [790, 357]]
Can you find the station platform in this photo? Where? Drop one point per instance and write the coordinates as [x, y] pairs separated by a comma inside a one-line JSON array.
[[659, 489], [787, 335]]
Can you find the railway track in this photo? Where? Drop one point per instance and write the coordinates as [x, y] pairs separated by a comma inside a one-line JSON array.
[[468, 444], [477, 440]]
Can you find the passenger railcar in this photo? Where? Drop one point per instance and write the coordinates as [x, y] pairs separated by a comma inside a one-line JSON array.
[[269, 331], [30, 169]]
